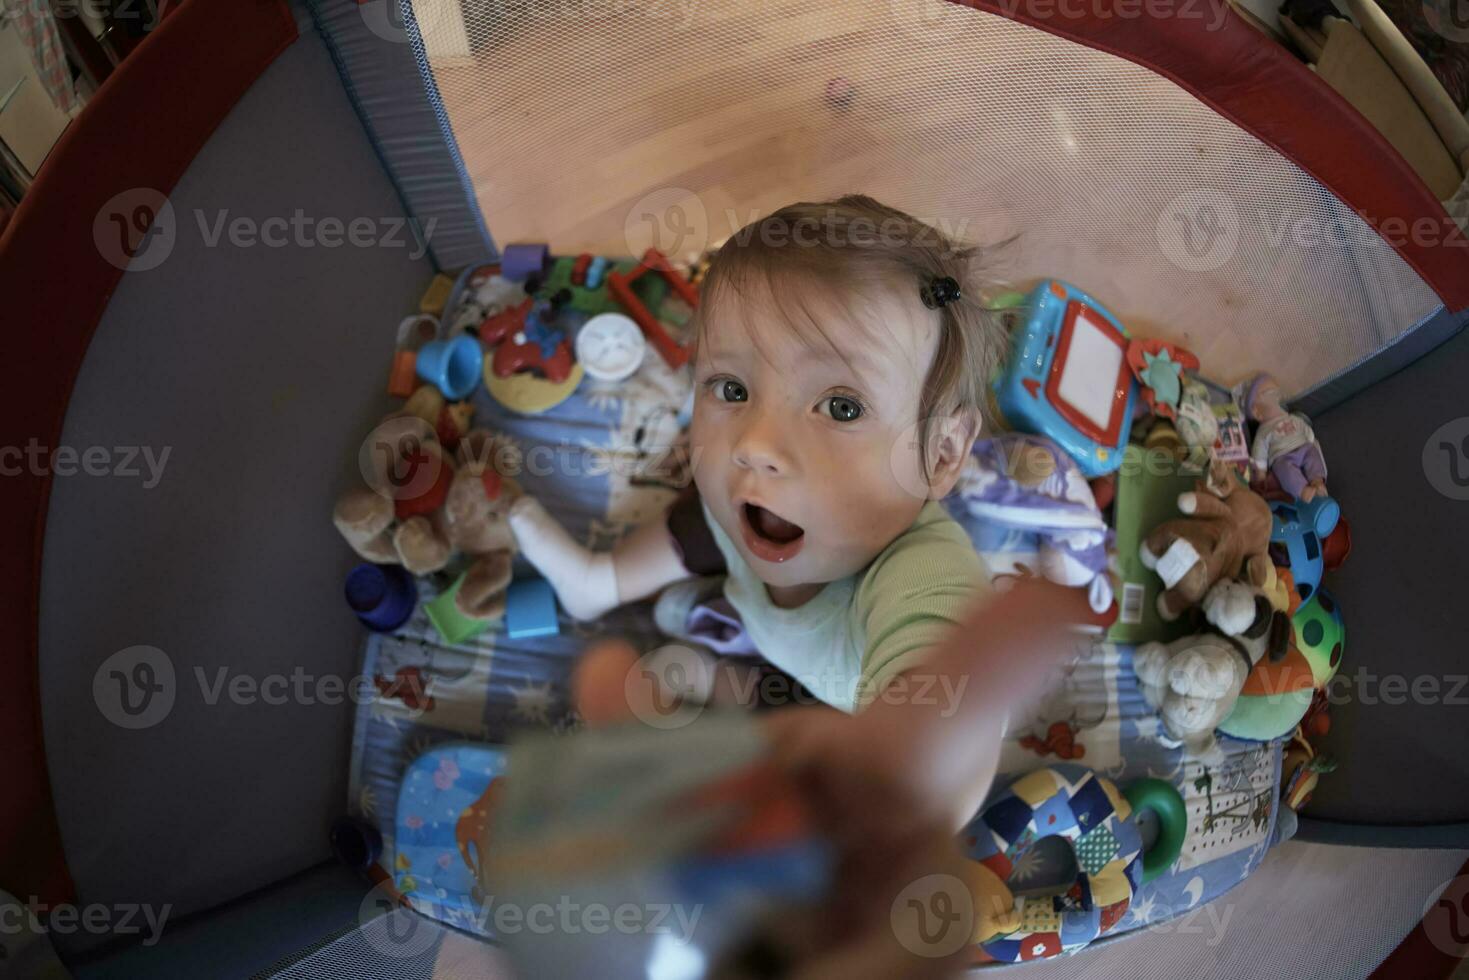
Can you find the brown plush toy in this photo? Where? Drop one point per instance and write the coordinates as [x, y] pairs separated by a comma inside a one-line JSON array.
[[421, 507], [1227, 531]]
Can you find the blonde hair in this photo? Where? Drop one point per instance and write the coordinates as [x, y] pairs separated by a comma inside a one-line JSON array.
[[860, 245]]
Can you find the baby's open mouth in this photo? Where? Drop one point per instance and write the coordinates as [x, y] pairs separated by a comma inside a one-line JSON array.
[[771, 526], [770, 536]]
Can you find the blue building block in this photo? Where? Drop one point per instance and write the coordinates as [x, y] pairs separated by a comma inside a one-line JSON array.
[[530, 609]]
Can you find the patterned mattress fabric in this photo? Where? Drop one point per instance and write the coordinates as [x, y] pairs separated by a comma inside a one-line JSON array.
[[597, 463]]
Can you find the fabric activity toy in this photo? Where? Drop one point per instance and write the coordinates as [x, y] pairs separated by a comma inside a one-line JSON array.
[[1100, 823], [419, 509], [1067, 377], [1028, 484], [1159, 369], [1195, 681], [1226, 531], [1285, 445]]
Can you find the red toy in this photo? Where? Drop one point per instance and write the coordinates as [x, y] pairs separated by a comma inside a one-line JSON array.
[[620, 286], [579, 269], [508, 333], [512, 357]]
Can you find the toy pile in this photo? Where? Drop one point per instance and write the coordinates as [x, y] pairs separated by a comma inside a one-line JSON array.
[[432, 502], [1196, 517]]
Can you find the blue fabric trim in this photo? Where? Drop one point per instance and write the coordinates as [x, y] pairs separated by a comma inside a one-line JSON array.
[[436, 102], [334, 49], [1410, 345]]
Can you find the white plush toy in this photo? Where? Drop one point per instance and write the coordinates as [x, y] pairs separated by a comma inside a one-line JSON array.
[[1194, 681]]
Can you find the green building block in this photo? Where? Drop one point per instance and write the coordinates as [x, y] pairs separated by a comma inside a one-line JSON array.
[[453, 626]]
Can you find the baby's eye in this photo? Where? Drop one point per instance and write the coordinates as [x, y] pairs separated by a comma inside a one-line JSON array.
[[843, 409], [730, 391]]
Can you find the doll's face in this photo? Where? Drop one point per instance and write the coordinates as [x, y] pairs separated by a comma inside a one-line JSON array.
[[803, 448], [1266, 403]]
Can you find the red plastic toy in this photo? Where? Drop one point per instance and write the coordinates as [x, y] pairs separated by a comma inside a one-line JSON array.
[[620, 286], [579, 269], [512, 357]]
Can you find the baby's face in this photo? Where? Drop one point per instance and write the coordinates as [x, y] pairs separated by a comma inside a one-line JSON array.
[[806, 456]]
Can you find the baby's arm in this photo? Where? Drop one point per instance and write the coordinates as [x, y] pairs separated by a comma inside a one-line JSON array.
[[589, 583]]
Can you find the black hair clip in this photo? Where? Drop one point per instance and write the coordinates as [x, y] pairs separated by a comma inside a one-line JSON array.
[[942, 291]]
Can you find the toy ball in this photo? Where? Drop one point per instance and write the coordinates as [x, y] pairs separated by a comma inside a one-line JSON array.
[[1320, 635]]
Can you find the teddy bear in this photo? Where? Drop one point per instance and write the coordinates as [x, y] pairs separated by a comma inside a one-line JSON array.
[[422, 506], [1194, 681], [1226, 531]]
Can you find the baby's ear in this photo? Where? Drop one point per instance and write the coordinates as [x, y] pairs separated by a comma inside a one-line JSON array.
[[949, 441]]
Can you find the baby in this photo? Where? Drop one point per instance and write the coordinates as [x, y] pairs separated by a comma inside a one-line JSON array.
[[840, 369]]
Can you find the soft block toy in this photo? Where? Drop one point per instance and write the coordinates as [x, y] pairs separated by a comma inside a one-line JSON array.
[[1226, 531], [1195, 681]]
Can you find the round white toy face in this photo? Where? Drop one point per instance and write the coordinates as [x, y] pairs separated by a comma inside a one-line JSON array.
[[610, 346]]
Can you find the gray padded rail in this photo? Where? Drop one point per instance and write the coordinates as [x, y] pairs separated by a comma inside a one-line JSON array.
[[259, 368]]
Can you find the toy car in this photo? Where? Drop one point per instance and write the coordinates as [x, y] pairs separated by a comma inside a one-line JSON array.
[[1067, 377]]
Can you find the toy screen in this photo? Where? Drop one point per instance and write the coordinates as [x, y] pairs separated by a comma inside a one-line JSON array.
[[1089, 376]]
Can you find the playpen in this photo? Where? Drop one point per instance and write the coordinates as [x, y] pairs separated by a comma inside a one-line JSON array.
[[1179, 163]]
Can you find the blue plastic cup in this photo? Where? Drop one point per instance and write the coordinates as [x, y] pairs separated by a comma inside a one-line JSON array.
[[382, 596], [453, 365]]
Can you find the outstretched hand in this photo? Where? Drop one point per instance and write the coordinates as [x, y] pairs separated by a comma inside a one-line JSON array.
[[893, 785]]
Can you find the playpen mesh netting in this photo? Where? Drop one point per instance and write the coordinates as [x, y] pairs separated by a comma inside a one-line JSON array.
[[610, 125]]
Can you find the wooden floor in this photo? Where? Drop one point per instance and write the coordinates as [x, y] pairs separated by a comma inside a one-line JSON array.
[[674, 122]]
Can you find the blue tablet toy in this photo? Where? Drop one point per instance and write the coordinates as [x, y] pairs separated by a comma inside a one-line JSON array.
[[1067, 377]]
